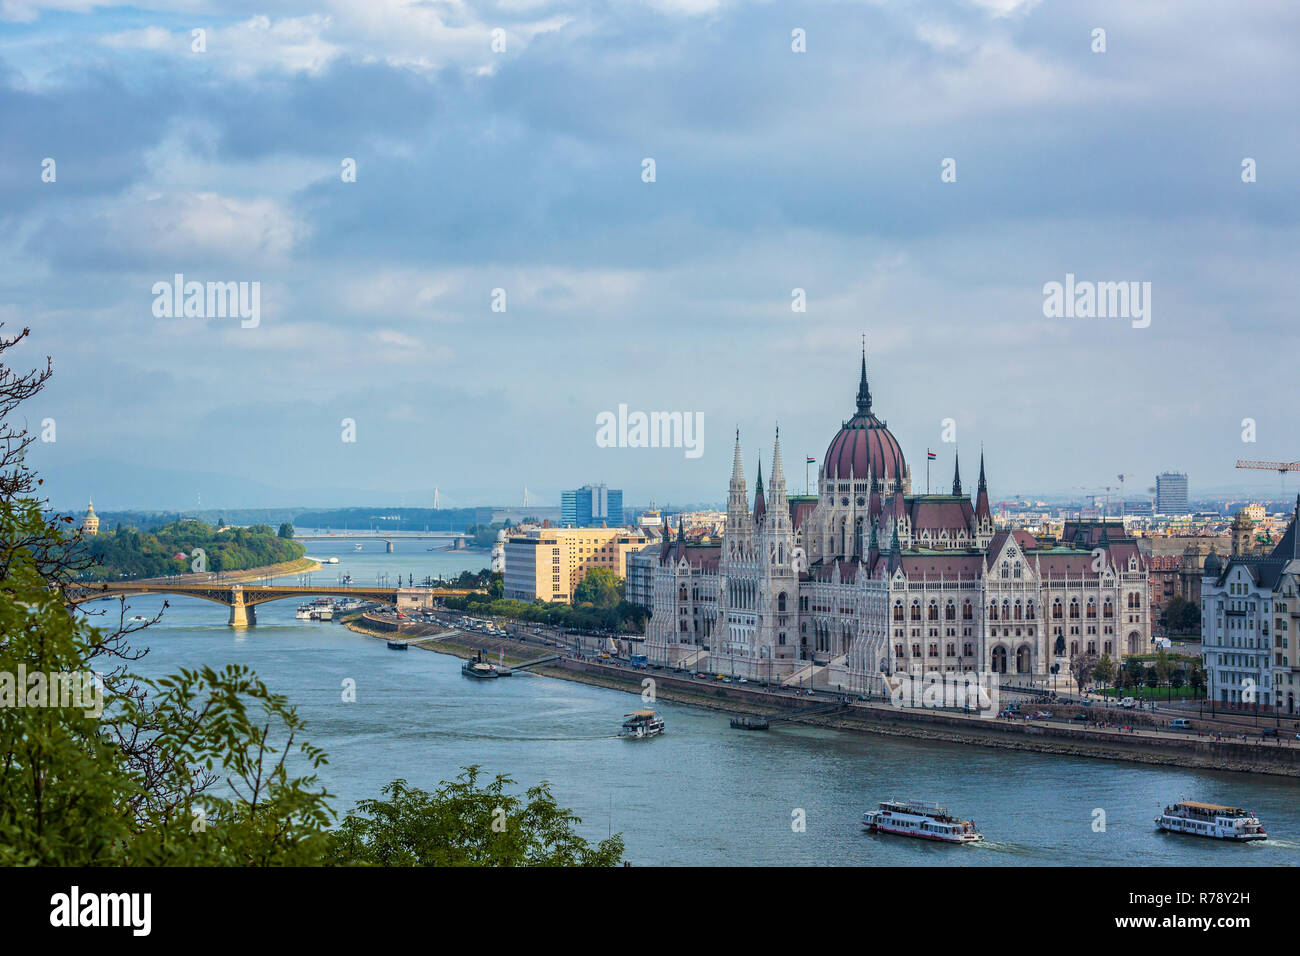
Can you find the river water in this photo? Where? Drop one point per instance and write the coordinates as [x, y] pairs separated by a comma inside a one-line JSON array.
[[700, 794]]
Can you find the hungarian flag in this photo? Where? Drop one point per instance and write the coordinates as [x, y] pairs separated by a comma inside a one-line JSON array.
[[810, 461], [930, 455]]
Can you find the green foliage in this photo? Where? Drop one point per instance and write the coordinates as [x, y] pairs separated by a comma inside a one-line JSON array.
[[128, 552], [464, 824], [1181, 616], [121, 787], [601, 587], [286, 530], [624, 617]]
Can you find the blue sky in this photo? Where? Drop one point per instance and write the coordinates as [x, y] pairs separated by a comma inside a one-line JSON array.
[[522, 170]]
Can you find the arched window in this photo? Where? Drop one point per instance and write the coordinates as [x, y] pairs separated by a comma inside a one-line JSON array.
[[780, 603], [967, 612], [950, 612]]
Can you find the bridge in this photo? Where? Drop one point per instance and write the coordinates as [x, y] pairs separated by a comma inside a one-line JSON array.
[[242, 599], [315, 534]]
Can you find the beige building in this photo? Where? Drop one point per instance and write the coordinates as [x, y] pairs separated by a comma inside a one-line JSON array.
[[548, 564], [90, 523]]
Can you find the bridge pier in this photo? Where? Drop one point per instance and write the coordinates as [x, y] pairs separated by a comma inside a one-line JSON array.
[[241, 614]]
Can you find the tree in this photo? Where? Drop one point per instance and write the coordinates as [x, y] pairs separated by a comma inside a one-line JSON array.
[[286, 530], [119, 770], [1105, 670], [1082, 667], [1196, 678], [462, 823], [601, 587]]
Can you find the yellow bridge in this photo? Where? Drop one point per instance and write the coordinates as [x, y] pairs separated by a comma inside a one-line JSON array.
[[242, 599]]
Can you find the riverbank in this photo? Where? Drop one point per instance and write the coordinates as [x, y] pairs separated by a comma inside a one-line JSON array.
[[303, 565], [1137, 745]]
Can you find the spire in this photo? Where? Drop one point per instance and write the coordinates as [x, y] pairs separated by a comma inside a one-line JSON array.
[[982, 498], [900, 506], [895, 555], [864, 391], [956, 474], [760, 503], [778, 469]]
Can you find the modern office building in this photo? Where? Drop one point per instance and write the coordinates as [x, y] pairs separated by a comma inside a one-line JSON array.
[[591, 506], [549, 563], [1171, 493]]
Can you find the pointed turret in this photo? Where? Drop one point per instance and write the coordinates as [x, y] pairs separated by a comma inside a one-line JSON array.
[[895, 552], [900, 506], [777, 485], [877, 505], [738, 535], [760, 504], [956, 474], [982, 497]]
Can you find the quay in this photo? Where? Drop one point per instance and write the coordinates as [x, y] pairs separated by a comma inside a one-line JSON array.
[[1139, 740]]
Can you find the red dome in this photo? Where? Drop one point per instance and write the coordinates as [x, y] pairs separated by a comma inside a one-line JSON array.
[[864, 443]]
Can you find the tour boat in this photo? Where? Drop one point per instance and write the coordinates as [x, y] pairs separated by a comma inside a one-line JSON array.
[[749, 723], [641, 724], [1211, 820], [397, 645], [304, 612], [478, 668], [917, 818]]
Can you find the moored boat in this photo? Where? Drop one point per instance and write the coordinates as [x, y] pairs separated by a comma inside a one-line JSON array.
[[304, 612], [921, 819], [478, 668], [641, 725], [1211, 820], [397, 645], [749, 723]]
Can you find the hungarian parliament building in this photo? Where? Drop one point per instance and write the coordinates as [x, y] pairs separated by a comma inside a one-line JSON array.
[[866, 579]]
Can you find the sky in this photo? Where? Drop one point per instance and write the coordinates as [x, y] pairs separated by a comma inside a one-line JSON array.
[[504, 146]]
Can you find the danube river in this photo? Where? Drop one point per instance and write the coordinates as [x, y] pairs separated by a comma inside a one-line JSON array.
[[702, 793]]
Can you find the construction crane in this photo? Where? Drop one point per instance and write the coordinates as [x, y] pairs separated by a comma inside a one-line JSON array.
[[1281, 467]]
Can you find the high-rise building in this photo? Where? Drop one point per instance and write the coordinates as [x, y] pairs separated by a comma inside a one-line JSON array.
[[549, 563], [1171, 493], [591, 506]]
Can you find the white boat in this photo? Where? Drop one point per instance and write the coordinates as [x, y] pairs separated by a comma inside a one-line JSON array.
[[331, 560], [304, 612], [918, 818], [641, 725], [1211, 820], [356, 547]]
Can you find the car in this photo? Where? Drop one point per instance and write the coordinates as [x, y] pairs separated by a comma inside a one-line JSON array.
[[1042, 715], [1268, 732], [1086, 702], [1079, 717], [1180, 723], [741, 680]]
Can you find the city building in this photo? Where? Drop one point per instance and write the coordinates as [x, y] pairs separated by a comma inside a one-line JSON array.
[[1250, 616], [1171, 493], [591, 506], [549, 563], [90, 523], [639, 588], [866, 579]]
